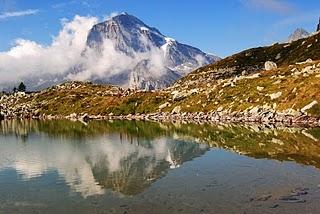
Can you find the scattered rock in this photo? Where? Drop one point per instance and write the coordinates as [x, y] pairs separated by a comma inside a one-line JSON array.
[[309, 60], [278, 56], [292, 112], [260, 88], [243, 73], [254, 76], [307, 69], [176, 110], [275, 95], [220, 109], [269, 65], [309, 106], [277, 82], [177, 96], [84, 117], [277, 141], [72, 116], [255, 110], [167, 104]]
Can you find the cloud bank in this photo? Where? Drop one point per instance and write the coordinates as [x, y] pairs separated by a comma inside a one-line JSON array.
[[29, 59], [19, 13], [69, 57]]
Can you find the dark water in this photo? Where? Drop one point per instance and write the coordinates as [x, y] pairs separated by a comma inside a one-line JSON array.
[[144, 167]]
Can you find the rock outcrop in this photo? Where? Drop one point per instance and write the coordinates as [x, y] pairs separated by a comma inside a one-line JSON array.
[[269, 65]]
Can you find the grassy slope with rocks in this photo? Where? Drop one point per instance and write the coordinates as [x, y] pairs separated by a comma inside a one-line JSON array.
[[297, 86], [235, 84]]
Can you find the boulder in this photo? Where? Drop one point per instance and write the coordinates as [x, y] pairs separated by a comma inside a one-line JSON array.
[[177, 96], [309, 60], [277, 141], [309, 106], [72, 116], [84, 117], [259, 88], [269, 65], [253, 76], [275, 95], [164, 105], [254, 111], [220, 109], [176, 110], [308, 69]]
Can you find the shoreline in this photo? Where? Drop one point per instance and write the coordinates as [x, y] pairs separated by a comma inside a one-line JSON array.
[[302, 120]]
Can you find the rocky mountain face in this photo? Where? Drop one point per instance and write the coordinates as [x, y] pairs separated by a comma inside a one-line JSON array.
[[132, 37], [141, 77], [299, 33]]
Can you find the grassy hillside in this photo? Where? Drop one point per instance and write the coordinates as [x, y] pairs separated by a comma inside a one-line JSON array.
[[236, 84], [296, 86], [253, 59]]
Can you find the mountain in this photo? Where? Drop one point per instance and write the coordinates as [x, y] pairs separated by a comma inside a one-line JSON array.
[[299, 33], [238, 88], [131, 37], [141, 77], [122, 51]]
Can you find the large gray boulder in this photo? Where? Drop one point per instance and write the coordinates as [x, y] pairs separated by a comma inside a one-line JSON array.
[[269, 65]]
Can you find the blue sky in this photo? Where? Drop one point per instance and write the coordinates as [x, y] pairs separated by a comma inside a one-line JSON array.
[[222, 27]]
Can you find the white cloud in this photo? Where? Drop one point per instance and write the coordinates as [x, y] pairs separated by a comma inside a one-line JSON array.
[[19, 13], [29, 59], [280, 6]]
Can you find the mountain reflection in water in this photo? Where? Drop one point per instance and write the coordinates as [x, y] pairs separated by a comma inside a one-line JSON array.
[[128, 156], [93, 158]]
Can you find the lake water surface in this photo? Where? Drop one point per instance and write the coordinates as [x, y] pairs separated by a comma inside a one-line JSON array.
[[148, 167]]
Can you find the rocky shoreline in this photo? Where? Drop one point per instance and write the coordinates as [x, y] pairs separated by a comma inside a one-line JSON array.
[[215, 117]]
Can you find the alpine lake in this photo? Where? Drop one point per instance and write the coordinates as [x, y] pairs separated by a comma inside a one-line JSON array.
[[61, 166]]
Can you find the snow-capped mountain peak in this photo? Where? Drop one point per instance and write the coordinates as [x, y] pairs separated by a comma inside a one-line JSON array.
[[131, 36]]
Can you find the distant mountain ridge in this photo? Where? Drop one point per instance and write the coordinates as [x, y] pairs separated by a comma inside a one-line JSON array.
[[299, 33]]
